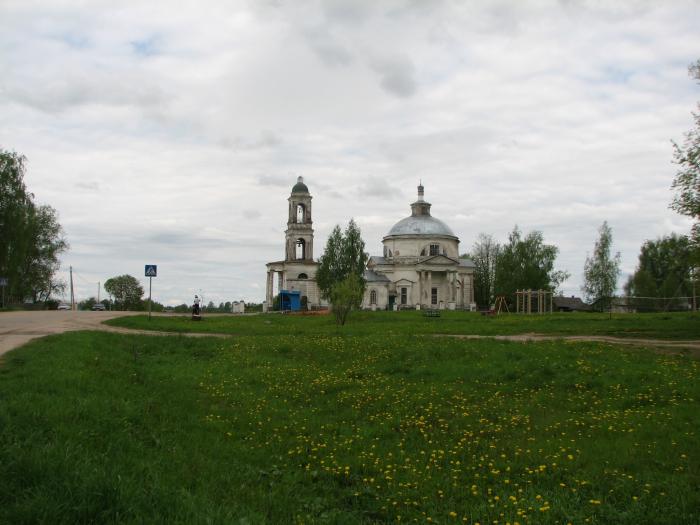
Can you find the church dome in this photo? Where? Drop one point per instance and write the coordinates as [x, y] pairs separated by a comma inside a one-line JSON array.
[[421, 222], [300, 187], [421, 225]]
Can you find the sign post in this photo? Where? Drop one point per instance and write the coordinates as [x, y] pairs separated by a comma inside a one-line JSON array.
[[151, 272], [3, 284]]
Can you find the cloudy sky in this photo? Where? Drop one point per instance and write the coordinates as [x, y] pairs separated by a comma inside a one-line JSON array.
[[172, 132]]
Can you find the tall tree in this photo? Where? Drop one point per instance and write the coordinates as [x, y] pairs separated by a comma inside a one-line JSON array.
[[484, 255], [31, 238], [601, 270], [340, 271], [526, 263], [686, 184], [126, 290]]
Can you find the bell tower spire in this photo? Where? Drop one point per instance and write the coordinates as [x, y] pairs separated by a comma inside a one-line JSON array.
[[299, 234]]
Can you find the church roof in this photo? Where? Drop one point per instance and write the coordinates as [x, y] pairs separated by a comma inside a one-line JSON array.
[[300, 187], [421, 222], [421, 225], [374, 277]]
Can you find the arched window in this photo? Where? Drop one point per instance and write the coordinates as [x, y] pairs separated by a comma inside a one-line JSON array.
[[301, 214], [302, 276], [301, 249], [434, 249], [422, 252], [373, 297]]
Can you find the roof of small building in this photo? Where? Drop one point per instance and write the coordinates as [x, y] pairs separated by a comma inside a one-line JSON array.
[[572, 303], [467, 263], [300, 187]]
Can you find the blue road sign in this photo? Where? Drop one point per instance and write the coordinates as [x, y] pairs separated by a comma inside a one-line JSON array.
[[3, 281], [151, 270]]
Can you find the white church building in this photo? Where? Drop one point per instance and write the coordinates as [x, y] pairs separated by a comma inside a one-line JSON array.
[[419, 268]]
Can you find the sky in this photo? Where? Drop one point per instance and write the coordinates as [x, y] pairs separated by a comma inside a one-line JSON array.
[[172, 133]]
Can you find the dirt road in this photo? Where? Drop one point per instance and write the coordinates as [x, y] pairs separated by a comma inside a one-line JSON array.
[[17, 328]]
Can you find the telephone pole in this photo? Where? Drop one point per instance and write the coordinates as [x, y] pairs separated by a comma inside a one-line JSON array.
[[98, 291], [72, 295]]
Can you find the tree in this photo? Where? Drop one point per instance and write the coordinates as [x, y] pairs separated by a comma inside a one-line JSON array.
[[126, 290], [346, 296], [686, 184], [484, 255], [664, 269], [526, 263], [344, 257], [601, 271], [31, 236]]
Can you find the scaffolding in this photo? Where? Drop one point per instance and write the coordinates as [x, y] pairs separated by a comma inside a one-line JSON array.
[[542, 299]]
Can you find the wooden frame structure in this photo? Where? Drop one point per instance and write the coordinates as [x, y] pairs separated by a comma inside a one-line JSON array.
[[524, 301]]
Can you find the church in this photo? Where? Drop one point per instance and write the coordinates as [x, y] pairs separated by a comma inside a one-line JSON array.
[[419, 267]]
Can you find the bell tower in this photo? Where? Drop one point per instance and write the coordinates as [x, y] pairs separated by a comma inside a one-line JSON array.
[[299, 234]]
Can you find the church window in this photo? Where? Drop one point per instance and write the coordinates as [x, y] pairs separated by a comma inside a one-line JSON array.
[[422, 252], [373, 297], [434, 296], [301, 214], [300, 250], [303, 276], [434, 249], [404, 295]]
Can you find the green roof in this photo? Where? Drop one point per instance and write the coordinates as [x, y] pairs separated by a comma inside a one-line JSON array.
[[300, 187]]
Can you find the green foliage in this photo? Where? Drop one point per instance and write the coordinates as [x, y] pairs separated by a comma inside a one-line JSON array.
[[686, 184], [601, 270], [342, 266], [32, 238], [126, 290], [346, 296], [526, 263], [664, 270], [108, 428], [484, 255]]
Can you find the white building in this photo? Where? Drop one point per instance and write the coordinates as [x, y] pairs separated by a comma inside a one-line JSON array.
[[420, 266]]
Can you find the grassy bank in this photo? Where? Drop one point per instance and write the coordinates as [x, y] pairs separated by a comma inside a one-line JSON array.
[[98, 427], [662, 326]]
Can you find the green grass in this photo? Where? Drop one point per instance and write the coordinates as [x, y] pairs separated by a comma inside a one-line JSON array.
[[99, 427], [665, 326]]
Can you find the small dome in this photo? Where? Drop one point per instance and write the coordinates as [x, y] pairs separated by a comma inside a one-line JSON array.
[[300, 187], [421, 225]]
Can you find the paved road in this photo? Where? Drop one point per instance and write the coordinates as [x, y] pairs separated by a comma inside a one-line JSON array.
[[17, 328]]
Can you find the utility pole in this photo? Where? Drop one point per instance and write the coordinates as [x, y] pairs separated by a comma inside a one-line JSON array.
[[72, 295], [98, 291]]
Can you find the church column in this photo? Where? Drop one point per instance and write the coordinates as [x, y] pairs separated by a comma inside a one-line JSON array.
[[420, 287], [268, 289], [430, 288], [280, 276], [453, 288]]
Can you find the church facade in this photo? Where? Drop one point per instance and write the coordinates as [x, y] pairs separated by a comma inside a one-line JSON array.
[[419, 268]]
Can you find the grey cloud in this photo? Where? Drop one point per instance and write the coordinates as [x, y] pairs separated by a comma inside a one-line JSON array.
[[276, 180], [377, 187], [326, 48], [397, 76], [266, 140]]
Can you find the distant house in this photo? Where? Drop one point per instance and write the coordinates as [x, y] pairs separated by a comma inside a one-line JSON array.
[[570, 304]]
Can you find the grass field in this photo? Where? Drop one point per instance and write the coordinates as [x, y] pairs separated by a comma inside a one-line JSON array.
[[662, 326], [320, 428]]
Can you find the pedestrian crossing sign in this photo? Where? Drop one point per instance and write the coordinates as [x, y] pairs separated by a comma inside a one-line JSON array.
[[151, 270]]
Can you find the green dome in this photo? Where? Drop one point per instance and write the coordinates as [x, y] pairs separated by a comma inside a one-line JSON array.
[[300, 187]]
